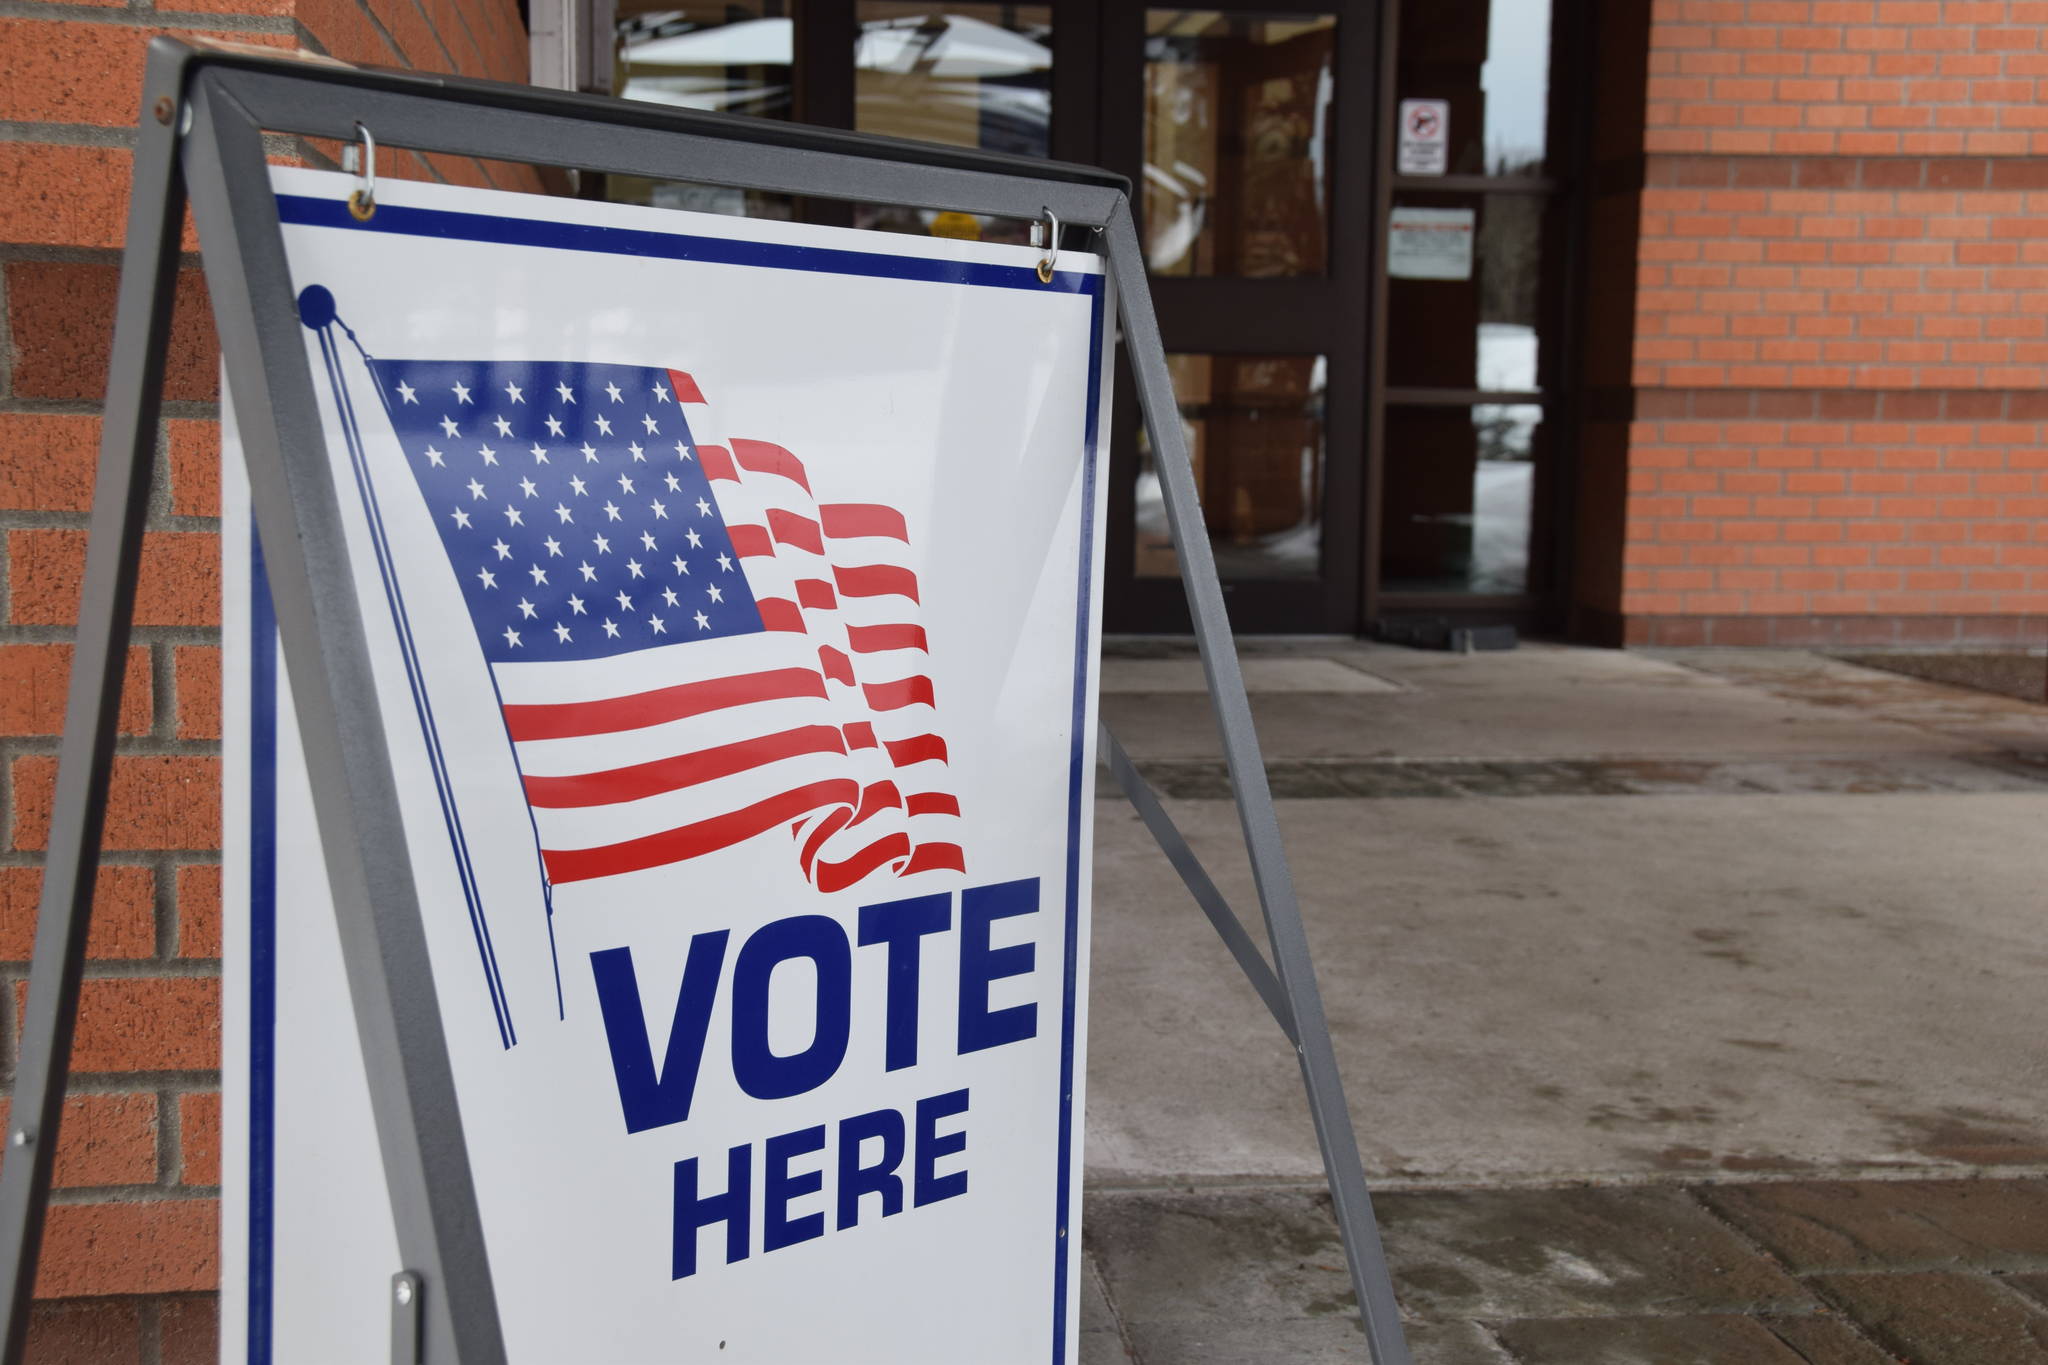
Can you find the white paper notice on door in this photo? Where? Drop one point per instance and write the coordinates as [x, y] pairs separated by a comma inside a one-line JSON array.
[[1430, 244]]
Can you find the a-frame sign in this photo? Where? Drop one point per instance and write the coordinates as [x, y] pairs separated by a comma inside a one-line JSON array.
[[813, 536]]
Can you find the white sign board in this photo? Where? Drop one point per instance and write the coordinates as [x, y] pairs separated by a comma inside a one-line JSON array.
[[732, 591], [1430, 244], [1425, 137]]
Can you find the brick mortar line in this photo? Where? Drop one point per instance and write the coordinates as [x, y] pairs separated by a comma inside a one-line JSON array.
[[119, 136], [54, 519], [149, 1325], [440, 41], [308, 40], [175, 409], [130, 969], [89, 1196], [28, 633], [1771, 1258], [103, 16], [140, 1082], [128, 746], [170, 1140], [199, 857]]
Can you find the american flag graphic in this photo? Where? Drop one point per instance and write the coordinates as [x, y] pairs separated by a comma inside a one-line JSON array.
[[690, 648]]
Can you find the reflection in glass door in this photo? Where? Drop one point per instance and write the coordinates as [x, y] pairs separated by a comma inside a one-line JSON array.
[[1231, 132], [1471, 346]]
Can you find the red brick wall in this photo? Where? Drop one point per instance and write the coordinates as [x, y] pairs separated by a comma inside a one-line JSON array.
[[130, 1260], [1840, 328]]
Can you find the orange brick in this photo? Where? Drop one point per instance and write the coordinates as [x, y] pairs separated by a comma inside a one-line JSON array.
[[46, 459], [35, 679], [147, 1023], [102, 1332], [195, 467], [57, 195], [161, 1247], [199, 910], [179, 584], [199, 1137], [197, 673], [53, 71], [62, 317], [167, 801], [123, 912], [189, 1331], [105, 1140]]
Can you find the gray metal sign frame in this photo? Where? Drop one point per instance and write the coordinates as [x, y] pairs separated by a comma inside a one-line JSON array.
[[205, 113]]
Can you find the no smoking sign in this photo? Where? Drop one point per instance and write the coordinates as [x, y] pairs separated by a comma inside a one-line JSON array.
[[1425, 137]]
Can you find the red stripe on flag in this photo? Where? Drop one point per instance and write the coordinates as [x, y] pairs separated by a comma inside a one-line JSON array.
[[692, 841], [843, 519], [840, 875], [859, 734], [876, 580], [763, 457], [682, 770], [871, 639], [565, 720], [876, 798], [835, 665], [717, 463], [834, 821], [779, 613], [790, 529], [932, 857], [894, 696], [751, 542], [917, 749], [685, 387], [932, 803], [816, 593]]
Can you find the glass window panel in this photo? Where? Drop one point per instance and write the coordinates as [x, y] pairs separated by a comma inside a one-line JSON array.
[[1237, 139], [1464, 282], [966, 75], [1459, 493], [1254, 425], [1491, 60], [732, 57]]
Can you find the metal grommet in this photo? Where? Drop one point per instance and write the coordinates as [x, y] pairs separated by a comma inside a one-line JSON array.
[[1050, 231], [362, 201]]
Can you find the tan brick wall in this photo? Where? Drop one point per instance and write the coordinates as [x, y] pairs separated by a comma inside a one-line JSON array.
[[130, 1260], [1840, 325]]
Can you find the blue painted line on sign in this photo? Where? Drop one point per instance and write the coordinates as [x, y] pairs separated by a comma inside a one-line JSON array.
[[262, 949]]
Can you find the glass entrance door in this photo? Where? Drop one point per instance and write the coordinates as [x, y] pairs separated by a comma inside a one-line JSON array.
[[1472, 373], [1234, 126]]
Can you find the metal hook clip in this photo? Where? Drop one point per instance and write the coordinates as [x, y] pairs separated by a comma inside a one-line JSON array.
[[1049, 238], [362, 201]]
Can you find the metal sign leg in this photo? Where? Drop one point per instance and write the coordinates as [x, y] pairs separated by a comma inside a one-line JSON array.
[[1291, 961], [142, 322]]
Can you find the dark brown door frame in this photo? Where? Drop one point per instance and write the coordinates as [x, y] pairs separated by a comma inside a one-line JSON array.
[[1325, 315], [1569, 113]]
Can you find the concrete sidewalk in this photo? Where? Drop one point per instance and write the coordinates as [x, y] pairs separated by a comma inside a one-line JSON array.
[[1691, 1008]]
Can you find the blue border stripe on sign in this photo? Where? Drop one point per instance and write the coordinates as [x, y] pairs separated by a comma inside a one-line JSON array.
[[1084, 594], [675, 246], [445, 224], [262, 947]]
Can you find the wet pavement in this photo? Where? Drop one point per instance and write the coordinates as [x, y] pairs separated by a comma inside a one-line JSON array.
[[1690, 1008]]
